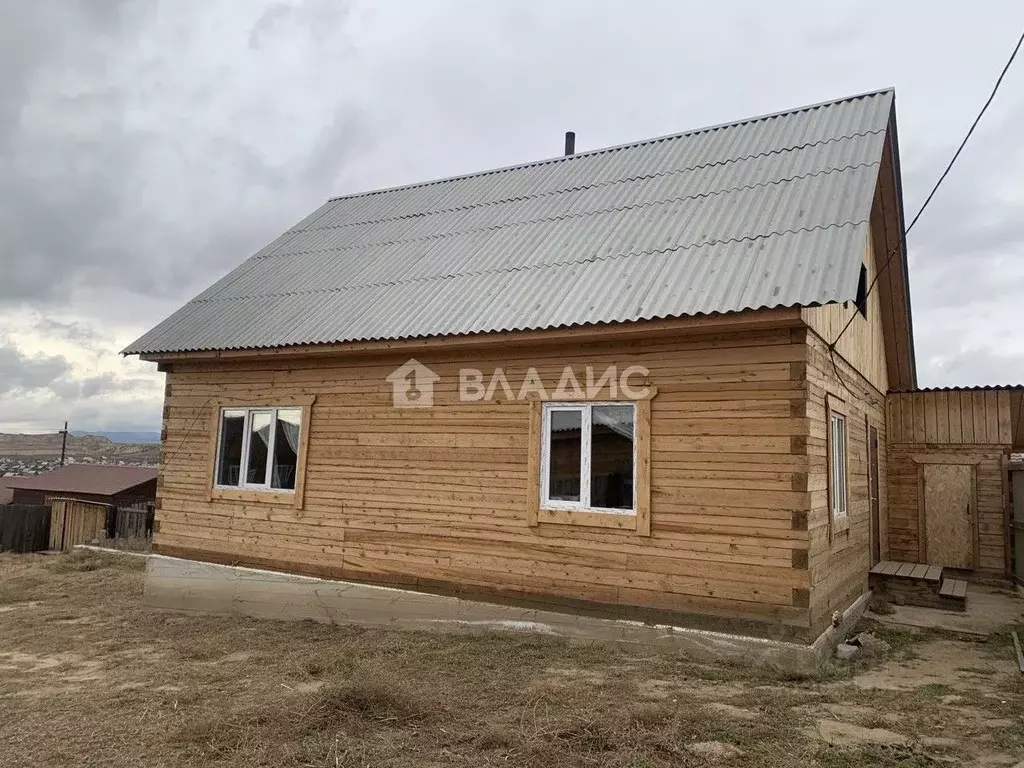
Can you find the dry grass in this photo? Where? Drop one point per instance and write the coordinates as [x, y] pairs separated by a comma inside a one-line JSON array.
[[90, 677]]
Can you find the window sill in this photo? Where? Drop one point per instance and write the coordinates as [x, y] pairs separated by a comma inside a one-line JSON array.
[[625, 521], [284, 498]]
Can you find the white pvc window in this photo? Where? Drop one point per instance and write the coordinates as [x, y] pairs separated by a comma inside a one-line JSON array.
[[837, 450], [588, 457], [258, 448]]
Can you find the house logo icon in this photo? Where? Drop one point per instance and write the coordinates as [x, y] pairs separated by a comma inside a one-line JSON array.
[[412, 385]]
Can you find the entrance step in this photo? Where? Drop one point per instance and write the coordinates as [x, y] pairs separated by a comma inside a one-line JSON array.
[[918, 584], [953, 593], [890, 569]]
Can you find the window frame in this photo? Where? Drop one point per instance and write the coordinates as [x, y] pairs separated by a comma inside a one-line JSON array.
[[250, 492], [243, 468], [639, 523], [586, 446], [838, 476]]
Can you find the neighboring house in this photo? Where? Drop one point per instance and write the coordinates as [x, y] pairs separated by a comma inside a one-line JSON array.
[[117, 485], [380, 394], [6, 494]]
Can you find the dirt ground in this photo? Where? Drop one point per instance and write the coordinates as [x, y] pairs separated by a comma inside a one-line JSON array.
[[89, 677]]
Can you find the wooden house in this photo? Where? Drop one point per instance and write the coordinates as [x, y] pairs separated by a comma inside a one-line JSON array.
[[611, 381]]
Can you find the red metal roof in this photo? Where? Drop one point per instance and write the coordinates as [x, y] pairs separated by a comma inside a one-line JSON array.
[[96, 479], [5, 492]]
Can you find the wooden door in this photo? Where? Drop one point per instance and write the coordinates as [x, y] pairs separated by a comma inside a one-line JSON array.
[[949, 514], [876, 546]]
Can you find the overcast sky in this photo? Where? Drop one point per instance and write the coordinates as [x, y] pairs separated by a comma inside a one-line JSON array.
[[148, 147]]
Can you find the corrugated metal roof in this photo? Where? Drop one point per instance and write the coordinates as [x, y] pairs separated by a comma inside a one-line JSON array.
[[95, 479], [975, 388], [772, 211]]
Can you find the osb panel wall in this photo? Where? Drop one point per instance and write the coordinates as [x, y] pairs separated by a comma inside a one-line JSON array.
[[436, 498], [906, 505], [840, 559], [957, 426]]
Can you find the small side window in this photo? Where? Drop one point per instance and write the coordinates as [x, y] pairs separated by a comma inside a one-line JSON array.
[[862, 291], [837, 475]]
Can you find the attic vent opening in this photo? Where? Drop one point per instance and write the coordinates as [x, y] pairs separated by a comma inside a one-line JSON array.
[[862, 291]]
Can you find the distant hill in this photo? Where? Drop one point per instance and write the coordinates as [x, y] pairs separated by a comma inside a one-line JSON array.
[[97, 448], [124, 437]]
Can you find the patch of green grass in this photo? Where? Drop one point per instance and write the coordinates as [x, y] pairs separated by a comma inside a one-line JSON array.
[[934, 689], [881, 606], [1000, 644], [1011, 738]]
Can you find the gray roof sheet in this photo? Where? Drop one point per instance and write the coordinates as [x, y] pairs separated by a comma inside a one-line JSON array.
[[767, 212]]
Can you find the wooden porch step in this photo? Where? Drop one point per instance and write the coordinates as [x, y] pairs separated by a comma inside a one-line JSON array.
[[955, 589], [915, 571]]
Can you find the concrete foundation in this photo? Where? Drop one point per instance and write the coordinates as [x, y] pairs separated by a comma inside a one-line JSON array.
[[192, 586]]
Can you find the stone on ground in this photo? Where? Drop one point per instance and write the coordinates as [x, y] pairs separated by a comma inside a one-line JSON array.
[[845, 651]]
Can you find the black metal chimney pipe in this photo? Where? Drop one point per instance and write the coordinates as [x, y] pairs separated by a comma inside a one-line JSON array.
[[570, 143]]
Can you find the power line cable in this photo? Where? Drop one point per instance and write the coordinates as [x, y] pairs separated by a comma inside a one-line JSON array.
[[945, 173]]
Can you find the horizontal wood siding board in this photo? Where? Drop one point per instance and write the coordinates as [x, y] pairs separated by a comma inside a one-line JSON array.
[[443, 495], [839, 563]]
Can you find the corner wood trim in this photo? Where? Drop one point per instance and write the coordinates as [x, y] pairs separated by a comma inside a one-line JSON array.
[[296, 499], [533, 466], [922, 540], [211, 460], [300, 469], [639, 523], [643, 468]]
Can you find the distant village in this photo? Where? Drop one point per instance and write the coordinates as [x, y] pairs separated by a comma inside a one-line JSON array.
[[24, 466], [29, 455]]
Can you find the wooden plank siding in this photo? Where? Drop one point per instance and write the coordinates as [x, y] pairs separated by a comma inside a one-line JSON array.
[[437, 498], [951, 417], [839, 556], [851, 381], [971, 427]]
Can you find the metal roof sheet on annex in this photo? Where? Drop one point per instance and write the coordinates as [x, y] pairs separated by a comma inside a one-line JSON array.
[[93, 479], [767, 212]]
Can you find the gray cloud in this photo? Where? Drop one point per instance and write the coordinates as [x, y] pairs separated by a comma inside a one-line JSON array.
[[24, 373], [75, 331], [108, 383], [113, 180]]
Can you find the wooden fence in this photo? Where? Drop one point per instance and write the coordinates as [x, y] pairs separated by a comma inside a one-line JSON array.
[[132, 523], [76, 522], [24, 527]]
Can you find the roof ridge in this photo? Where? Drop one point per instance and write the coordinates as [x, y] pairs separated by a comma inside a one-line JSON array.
[[578, 187], [614, 147]]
